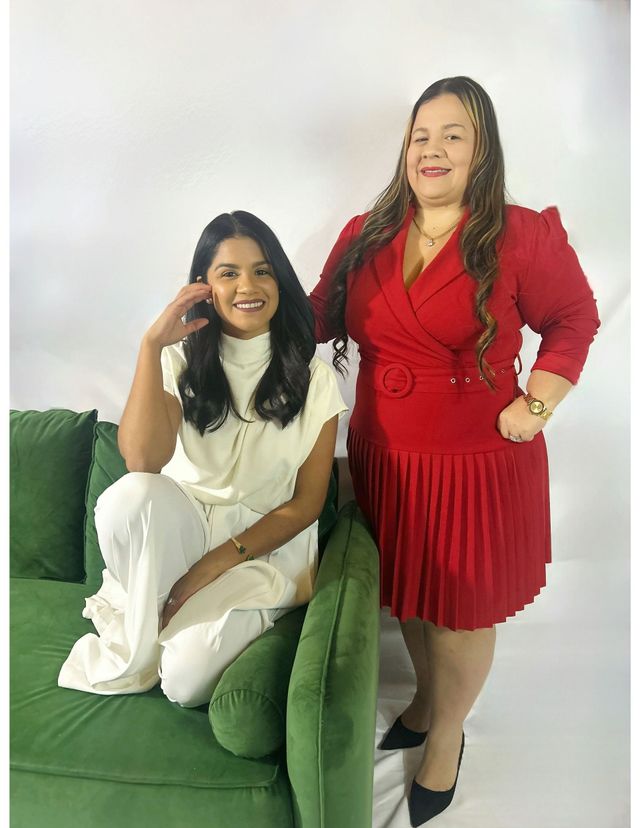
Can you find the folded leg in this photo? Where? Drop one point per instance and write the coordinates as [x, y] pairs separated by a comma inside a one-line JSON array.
[[150, 533], [194, 658]]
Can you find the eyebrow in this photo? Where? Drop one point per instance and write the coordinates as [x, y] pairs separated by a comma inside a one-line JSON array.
[[446, 126], [237, 267]]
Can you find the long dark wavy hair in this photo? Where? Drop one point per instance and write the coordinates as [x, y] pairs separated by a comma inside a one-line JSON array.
[[484, 195], [281, 393]]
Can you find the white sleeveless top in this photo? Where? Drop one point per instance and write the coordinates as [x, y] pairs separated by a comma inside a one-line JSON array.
[[254, 463], [244, 470]]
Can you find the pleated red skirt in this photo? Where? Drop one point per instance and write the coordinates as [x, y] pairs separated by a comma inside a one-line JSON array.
[[463, 538]]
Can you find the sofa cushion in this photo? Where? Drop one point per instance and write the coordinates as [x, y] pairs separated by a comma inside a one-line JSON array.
[[50, 457], [56, 801], [142, 739], [248, 706], [107, 466]]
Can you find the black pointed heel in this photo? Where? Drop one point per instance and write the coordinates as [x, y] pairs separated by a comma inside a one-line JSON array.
[[424, 803], [398, 736]]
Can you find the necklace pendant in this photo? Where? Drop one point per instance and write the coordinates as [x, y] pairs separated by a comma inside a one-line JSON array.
[[430, 242]]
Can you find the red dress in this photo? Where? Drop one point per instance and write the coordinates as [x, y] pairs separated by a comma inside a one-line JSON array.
[[460, 515]]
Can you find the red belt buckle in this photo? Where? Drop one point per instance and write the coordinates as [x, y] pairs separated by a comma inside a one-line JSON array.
[[394, 385]]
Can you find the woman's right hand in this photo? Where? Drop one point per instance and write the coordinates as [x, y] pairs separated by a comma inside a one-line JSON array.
[[169, 327]]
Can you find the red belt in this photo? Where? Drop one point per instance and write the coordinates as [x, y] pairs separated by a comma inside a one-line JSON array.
[[397, 380]]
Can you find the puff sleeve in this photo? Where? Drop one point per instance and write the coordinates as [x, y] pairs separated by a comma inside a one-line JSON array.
[[324, 396], [320, 295], [556, 301], [323, 402]]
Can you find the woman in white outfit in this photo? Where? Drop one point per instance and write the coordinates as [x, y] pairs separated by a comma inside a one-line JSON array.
[[228, 434]]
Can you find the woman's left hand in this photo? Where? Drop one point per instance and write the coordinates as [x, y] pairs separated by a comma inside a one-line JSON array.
[[517, 423], [192, 581]]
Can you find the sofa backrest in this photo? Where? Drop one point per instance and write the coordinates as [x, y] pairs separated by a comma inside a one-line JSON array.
[[107, 466], [50, 455]]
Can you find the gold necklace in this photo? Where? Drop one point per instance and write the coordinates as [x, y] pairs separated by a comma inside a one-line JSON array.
[[431, 240]]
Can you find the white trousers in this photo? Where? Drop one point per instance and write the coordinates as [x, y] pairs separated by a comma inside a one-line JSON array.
[[150, 533]]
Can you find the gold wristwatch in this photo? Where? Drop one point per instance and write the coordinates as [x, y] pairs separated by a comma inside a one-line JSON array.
[[537, 407]]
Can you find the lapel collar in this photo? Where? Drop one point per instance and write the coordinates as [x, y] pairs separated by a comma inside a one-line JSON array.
[[387, 268], [446, 267]]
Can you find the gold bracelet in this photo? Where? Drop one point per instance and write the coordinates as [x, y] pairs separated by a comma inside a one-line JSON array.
[[241, 549]]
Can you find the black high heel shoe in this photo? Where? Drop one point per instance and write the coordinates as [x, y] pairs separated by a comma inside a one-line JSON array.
[[424, 803], [399, 736]]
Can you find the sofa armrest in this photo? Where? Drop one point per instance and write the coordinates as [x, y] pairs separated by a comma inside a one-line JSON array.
[[331, 707]]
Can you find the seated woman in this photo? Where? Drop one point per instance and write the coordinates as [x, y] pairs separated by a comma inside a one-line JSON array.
[[241, 418]]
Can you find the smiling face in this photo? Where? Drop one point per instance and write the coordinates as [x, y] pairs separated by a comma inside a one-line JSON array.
[[440, 152], [244, 288]]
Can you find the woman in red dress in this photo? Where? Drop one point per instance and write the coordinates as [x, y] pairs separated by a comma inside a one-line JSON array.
[[445, 449]]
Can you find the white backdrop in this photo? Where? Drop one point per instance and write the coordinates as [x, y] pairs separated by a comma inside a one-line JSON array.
[[134, 123]]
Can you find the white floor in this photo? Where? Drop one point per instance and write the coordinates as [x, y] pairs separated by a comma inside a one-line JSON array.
[[547, 742]]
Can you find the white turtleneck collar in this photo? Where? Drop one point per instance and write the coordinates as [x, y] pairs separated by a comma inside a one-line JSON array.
[[245, 352]]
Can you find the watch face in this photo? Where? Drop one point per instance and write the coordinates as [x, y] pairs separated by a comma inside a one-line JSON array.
[[536, 407]]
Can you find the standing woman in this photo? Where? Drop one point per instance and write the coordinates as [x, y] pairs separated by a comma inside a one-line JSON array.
[[446, 451]]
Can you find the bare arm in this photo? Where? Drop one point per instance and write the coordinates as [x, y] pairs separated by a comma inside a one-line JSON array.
[[151, 418], [548, 387], [270, 532]]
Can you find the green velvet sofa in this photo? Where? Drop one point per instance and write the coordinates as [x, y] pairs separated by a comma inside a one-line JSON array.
[[293, 716]]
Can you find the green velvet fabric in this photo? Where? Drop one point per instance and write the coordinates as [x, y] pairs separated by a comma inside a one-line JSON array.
[[107, 466], [140, 760], [248, 707], [44, 800], [50, 453], [132, 760], [331, 704]]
